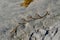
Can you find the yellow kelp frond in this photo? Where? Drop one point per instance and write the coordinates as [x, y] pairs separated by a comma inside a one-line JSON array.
[[26, 3]]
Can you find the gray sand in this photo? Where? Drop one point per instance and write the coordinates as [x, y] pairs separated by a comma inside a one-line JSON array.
[[45, 28]]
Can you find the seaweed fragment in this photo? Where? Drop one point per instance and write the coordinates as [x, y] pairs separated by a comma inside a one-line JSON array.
[[47, 31], [31, 36], [14, 32], [38, 16], [26, 3], [56, 31]]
